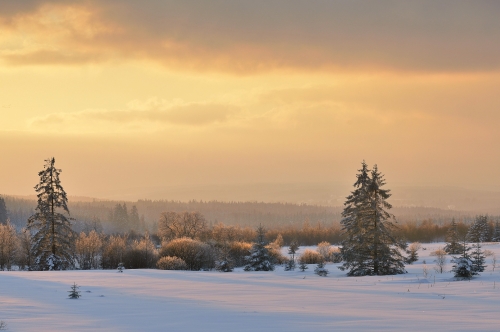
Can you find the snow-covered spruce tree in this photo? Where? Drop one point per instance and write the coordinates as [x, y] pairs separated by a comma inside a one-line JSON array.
[[496, 233], [453, 245], [259, 258], [463, 268], [479, 230], [303, 266], [224, 263], [320, 269], [370, 245], [412, 252], [292, 250], [478, 258], [53, 237]]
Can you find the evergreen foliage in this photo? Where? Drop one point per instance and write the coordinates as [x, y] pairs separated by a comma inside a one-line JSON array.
[[224, 262], [370, 245], [479, 230], [4, 216], [259, 258], [292, 249], [303, 267], [120, 267], [53, 237], [453, 245], [412, 252], [290, 265], [321, 270], [463, 268], [74, 293], [478, 258], [496, 233]]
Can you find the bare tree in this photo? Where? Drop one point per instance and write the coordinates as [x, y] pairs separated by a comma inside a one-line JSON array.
[[440, 260], [8, 245], [324, 250], [89, 250], [25, 254], [113, 252], [175, 225]]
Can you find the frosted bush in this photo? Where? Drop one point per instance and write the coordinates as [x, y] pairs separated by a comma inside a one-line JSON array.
[[171, 263], [310, 257]]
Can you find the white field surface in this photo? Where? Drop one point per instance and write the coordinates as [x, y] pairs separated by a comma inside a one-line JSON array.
[[153, 300]]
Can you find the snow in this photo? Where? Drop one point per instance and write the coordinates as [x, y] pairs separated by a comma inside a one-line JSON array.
[[154, 300]]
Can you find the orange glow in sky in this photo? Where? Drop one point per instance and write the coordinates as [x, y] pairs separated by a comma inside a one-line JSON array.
[[131, 94]]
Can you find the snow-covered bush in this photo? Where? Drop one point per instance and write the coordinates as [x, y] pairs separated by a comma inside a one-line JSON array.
[[224, 266], [171, 263], [310, 257]]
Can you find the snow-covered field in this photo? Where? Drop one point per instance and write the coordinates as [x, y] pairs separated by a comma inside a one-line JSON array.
[[153, 300]]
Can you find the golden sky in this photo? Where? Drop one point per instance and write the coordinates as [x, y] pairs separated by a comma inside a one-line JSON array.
[[130, 94]]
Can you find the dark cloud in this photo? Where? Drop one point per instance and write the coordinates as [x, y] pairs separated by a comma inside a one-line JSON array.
[[249, 36]]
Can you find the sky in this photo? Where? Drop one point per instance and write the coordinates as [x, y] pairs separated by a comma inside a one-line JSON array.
[[128, 95]]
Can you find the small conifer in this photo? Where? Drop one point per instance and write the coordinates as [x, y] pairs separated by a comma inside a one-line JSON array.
[[74, 293]]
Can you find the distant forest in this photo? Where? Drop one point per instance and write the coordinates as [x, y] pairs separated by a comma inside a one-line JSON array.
[[310, 223]]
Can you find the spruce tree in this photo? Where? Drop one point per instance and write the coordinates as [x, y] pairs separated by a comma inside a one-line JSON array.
[[320, 269], [478, 258], [453, 245], [259, 258], [496, 233], [479, 230], [292, 250], [74, 293], [370, 245], [52, 234], [463, 268]]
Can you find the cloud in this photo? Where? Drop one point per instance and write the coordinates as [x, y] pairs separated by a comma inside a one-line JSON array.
[[146, 115], [238, 36]]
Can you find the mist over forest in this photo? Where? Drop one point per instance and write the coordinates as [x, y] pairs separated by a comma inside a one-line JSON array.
[[411, 205]]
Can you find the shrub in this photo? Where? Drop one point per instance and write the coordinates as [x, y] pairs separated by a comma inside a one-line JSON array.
[[275, 254], [113, 252], [196, 254], [324, 250], [171, 263], [310, 257], [238, 250]]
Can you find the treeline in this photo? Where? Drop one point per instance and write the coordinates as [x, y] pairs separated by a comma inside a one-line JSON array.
[[110, 217]]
